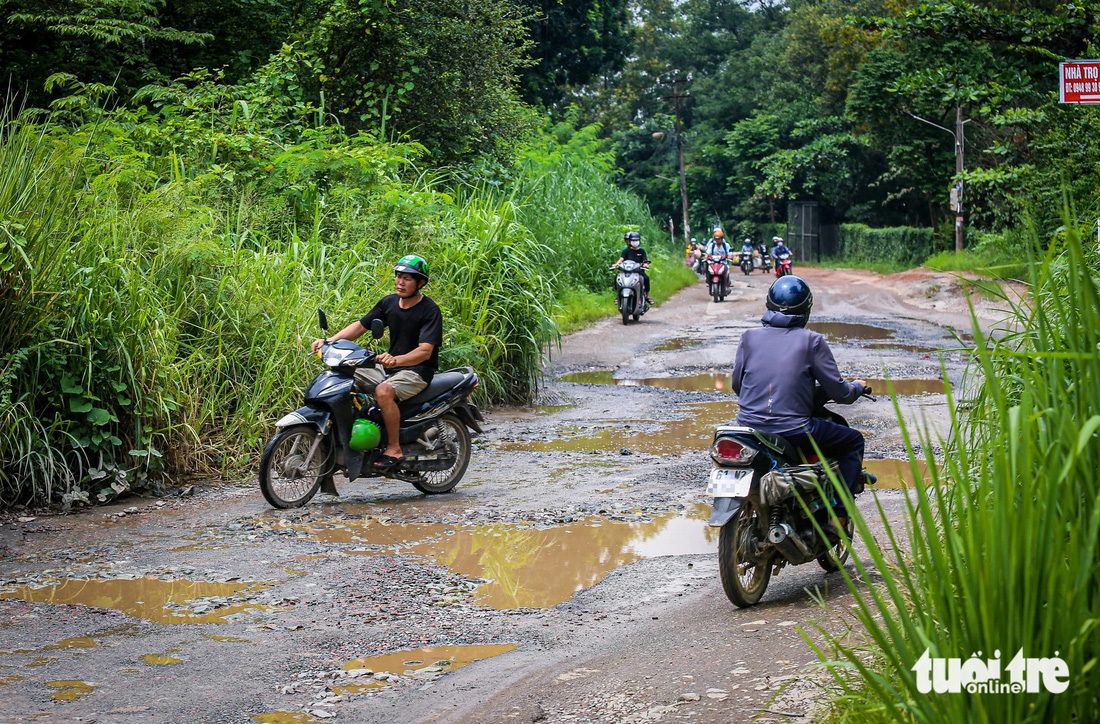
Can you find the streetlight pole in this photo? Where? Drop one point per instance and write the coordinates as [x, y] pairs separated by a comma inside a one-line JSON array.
[[960, 146], [678, 94]]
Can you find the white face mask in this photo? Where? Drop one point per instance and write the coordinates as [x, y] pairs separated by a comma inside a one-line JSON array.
[[635, 243]]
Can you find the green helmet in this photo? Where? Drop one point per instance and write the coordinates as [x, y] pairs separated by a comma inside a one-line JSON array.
[[412, 264]]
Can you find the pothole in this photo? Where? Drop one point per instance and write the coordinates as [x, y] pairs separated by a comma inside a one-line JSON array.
[[894, 473], [428, 663], [152, 599], [677, 343], [529, 565], [654, 438], [70, 690], [850, 331], [720, 382]]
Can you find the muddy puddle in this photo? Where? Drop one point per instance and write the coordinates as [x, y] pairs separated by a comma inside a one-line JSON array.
[[179, 601], [894, 474], [426, 663], [70, 690], [532, 566], [286, 717], [850, 331], [910, 387], [693, 433], [720, 382], [677, 343]]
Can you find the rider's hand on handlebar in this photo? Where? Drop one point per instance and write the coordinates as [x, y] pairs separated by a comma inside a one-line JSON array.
[[386, 359], [866, 387], [316, 345]]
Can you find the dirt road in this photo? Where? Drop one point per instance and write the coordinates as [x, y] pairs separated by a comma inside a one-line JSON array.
[[570, 577]]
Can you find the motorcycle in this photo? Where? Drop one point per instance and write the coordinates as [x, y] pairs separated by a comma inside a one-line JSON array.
[[767, 498], [746, 262], [718, 276], [630, 291], [765, 260], [783, 266], [338, 430]]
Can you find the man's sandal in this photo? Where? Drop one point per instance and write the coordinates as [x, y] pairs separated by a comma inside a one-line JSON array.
[[386, 462]]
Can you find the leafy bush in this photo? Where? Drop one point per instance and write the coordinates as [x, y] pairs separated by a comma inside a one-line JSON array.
[[900, 245]]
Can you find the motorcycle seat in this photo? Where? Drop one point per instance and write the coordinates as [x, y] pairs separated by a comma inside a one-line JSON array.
[[441, 382], [785, 448]]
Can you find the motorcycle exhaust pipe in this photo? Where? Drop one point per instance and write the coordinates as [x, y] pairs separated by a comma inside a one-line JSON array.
[[782, 532]]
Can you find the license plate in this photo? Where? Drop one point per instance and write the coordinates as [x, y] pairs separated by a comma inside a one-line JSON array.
[[725, 483]]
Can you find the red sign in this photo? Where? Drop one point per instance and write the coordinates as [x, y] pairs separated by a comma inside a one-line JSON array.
[[1080, 81]]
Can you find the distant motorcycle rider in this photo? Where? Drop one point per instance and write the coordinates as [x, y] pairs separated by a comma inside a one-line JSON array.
[[718, 245], [634, 252], [774, 372], [779, 248]]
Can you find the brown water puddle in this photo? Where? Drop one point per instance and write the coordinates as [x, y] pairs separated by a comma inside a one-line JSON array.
[[897, 346], [894, 474], [148, 598], [286, 717], [677, 343], [720, 382], [531, 566], [79, 642], [160, 660], [228, 639], [10, 679], [848, 331], [908, 387], [659, 438], [426, 662], [551, 409], [70, 690]]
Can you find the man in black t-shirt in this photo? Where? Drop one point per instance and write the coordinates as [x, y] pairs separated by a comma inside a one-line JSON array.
[[634, 252], [416, 333]]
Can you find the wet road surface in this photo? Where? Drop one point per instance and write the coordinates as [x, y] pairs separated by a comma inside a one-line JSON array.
[[570, 576]]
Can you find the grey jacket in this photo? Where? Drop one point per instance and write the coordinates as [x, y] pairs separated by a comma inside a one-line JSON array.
[[774, 373]]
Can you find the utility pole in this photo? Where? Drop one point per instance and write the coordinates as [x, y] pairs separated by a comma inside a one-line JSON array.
[[679, 92], [957, 190]]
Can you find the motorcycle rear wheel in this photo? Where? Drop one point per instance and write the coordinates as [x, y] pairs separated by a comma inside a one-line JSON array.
[[834, 559], [452, 433], [743, 581], [283, 481]]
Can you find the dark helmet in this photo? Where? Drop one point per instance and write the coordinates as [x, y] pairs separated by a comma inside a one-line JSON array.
[[790, 295], [412, 264], [632, 236]]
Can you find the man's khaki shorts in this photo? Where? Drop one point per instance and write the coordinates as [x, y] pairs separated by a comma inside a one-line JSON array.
[[405, 383]]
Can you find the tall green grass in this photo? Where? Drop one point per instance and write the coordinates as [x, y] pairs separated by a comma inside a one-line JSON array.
[[1003, 550], [159, 277]]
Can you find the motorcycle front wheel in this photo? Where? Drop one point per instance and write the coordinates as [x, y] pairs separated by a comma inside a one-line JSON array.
[[453, 435], [743, 580], [286, 480]]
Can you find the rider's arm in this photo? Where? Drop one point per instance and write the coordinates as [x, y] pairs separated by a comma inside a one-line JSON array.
[[738, 366], [823, 368], [422, 353], [353, 331]]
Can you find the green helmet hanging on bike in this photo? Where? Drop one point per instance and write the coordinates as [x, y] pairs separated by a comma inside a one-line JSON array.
[[412, 264]]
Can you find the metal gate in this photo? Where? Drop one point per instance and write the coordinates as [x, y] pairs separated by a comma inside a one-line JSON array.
[[804, 229]]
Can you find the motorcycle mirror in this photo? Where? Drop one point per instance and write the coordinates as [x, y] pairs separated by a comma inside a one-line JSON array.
[[376, 328], [323, 320]]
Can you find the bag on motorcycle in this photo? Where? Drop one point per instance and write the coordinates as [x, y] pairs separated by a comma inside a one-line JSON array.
[[777, 485]]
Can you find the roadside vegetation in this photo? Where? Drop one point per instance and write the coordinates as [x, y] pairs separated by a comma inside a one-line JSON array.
[[1008, 523], [163, 264]]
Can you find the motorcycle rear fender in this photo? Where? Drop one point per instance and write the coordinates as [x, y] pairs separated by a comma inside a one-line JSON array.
[[724, 509], [470, 416], [307, 415]]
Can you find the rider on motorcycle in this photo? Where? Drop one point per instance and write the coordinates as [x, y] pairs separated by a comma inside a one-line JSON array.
[[746, 247], [718, 245], [779, 247], [634, 252], [416, 333], [774, 373]]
